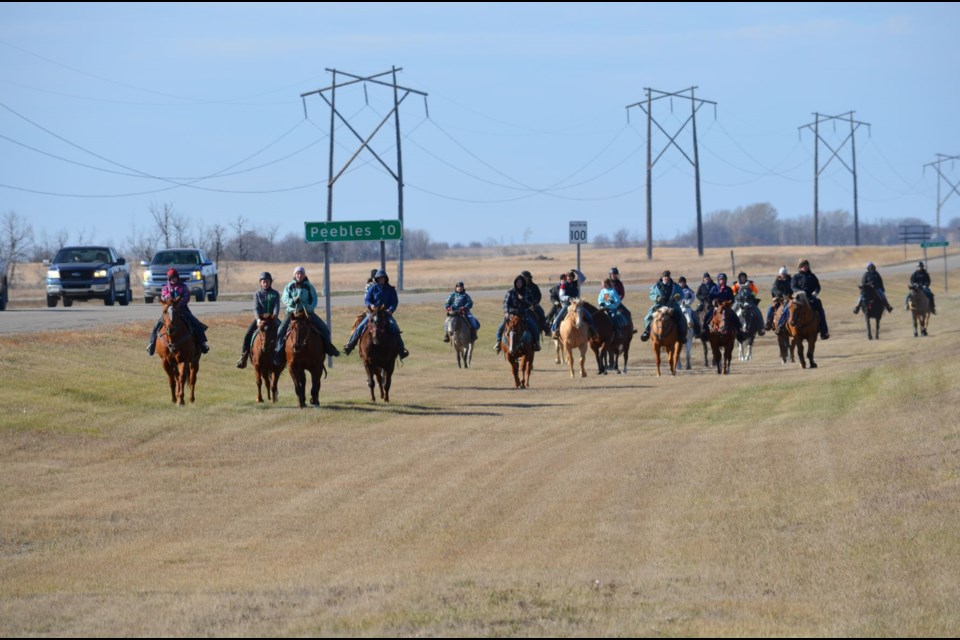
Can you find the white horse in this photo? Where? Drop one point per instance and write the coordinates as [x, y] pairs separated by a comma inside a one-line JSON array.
[[688, 315]]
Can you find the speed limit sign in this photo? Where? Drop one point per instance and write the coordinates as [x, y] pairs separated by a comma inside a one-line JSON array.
[[578, 232]]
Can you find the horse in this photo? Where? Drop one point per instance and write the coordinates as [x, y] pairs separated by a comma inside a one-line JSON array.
[[873, 308], [261, 354], [379, 350], [787, 349], [575, 334], [722, 335], [665, 334], [803, 324], [749, 323], [461, 335], [920, 307], [608, 344], [305, 351], [704, 331], [179, 352], [688, 315], [517, 347]]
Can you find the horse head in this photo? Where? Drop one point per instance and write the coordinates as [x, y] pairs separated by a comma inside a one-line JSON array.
[[720, 323], [299, 333], [378, 323], [173, 322]]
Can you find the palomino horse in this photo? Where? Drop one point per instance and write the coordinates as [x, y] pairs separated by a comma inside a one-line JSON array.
[[872, 307], [517, 347], [920, 307], [750, 324], [261, 354], [575, 334], [607, 343], [688, 315], [665, 334], [305, 352], [803, 324], [783, 338], [379, 351], [458, 328], [722, 336], [179, 353]]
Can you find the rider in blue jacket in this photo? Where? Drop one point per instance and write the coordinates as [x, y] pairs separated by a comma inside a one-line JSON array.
[[385, 294]]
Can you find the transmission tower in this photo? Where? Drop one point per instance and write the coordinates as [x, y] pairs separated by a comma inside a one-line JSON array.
[[817, 169], [647, 107], [364, 144], [954, 187]]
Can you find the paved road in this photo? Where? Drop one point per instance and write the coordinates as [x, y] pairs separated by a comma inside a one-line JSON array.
[[91, 314]]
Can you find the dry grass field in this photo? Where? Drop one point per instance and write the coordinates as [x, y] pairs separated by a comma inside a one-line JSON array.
[[770, 502]]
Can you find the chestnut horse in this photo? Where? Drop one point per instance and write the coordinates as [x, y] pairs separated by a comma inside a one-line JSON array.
[[305, 352], [803, 324], [665, 334], [920, 307], [179, 352], [379, 351], [575, 334], [517, 347], [261, 354], [722, 336]]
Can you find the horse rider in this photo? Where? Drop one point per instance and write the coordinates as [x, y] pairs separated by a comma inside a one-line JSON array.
[[568, 292], [689, 296], [609, 301], [719, 294], [805, 280], [752, 295], [921, 278], [370, 280], [662, 293], [535, 296], [703, 292], [556, 305], [300, 294], [614, 275], [515, 302], [871, 277], [178, 292], [385, 294], [266, 302], [780, 291], [460, 302]]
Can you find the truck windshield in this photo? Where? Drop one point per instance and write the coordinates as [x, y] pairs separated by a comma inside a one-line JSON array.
[[176, 257], [83, 254]]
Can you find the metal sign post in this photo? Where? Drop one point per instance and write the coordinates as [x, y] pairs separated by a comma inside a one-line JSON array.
[[578, 236], [938, 243]]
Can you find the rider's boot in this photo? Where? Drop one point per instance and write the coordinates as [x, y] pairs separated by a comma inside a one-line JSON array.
[[856, 309], [496, 347], [151, 348], [204, 348], [332, 350], [242, 362], [446, 337]]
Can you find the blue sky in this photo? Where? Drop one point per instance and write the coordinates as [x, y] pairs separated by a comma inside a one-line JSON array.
[[107, 109]]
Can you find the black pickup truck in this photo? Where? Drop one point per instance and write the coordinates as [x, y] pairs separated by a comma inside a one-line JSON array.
[[84, 273]]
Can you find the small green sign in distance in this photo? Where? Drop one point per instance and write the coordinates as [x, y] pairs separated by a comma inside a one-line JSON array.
[[930, 245], [353, 231]]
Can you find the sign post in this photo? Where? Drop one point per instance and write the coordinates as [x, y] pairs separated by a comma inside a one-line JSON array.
[[936, 242], [578, 236]]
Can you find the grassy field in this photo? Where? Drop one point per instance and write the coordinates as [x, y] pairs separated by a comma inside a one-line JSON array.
[[773, 501]]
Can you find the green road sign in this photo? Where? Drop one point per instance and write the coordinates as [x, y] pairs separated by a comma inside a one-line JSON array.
[[353, 231], [930, 245]]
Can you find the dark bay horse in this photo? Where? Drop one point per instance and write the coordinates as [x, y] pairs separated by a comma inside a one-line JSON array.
[[873, 308], [305, 352], [379, 351], [722, 335], [608, 345], [704, 332], [803, 324], [517, 347], [665, 334], [179, 352], [919, 305], [787, 350], [261, 354]]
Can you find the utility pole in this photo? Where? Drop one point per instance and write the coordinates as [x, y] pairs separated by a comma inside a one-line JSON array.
[[817, 169], [364, 144], [647, 108], [954, 188]]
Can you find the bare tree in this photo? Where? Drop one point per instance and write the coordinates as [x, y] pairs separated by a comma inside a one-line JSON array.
[[47, 247], [16, 236], [170, 225], [240, 229]]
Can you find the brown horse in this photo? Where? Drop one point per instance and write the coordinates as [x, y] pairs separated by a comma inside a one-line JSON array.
[[608, 344], [803, 324], [873, 308], [517, 350], [379, 351], [704, 332], [575, 334], [305, 350], [722, 335], [665, 334], [787, 350], [920, 308], [261, 354], [179, 353]]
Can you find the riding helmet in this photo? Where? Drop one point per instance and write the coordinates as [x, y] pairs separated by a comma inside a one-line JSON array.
[[742, 273], [266, 276], [459, 284], [614, 271], [721, 276], [527, 275], [172, 273], [784, 272], [920, 265], [870, 265]]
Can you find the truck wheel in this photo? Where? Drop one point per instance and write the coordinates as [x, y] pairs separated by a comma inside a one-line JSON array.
[[212, 296], [127, 295], [200, 295], [68, 302], [111, 296], [51, 301], [3, 296]]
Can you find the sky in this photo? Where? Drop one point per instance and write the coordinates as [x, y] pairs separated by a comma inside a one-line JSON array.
[[107, 110]]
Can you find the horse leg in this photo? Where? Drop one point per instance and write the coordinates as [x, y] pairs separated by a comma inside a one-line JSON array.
[[656, 357], [171, 368], [370, 382], [388, 379], [193, 378], [182, 382], [259, 378], [559, 349], [314, 385], [568, 353], [583, 359], [706, 363]]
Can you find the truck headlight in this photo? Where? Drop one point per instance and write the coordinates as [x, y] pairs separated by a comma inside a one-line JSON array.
[[100, 273], [197, 275], [146, 277], [53, 274]]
